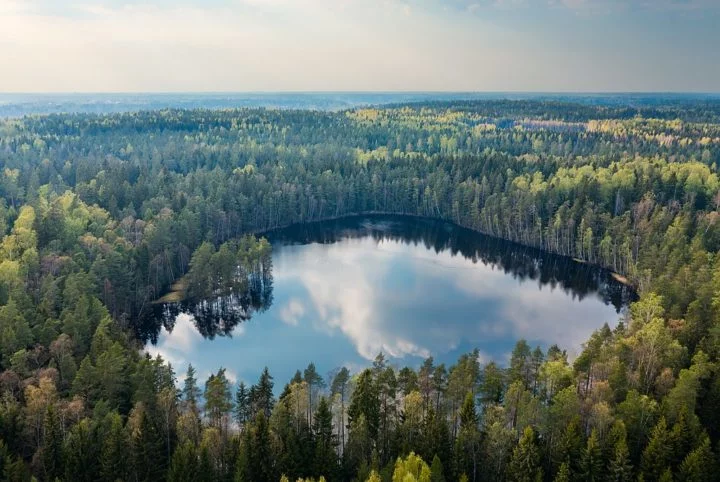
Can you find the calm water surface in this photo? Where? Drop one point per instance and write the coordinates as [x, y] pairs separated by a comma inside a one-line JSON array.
[[345, 290]]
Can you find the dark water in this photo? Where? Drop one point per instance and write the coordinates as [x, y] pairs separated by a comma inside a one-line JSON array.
[[343, 291]]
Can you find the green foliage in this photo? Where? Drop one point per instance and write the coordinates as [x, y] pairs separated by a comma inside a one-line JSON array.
[[410, 469], [525, 461], [101, 215]]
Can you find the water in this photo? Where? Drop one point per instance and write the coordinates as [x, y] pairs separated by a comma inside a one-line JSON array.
[[345, 290]]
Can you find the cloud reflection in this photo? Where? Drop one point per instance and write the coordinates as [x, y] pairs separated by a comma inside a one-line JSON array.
[[343, 302]]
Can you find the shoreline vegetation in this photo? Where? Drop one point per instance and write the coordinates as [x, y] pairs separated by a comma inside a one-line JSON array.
[[178, 288], [100, 215]]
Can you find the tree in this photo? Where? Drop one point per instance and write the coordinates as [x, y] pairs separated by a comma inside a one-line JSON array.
[[467, 445], [184, 464], [339, 387], [436, 470], [242, 405], [190, 390], [492, 385], [365, 402], [263, 399], [218, 399], [592, 463], [699, 465], [260, 460], [314, 382], [53, 445], [325, 460], [520, 364], [525, 462], [411, 468], [82, 453], [115, 449], [563, 474], [147, 445], [620, 469], [656, 456]]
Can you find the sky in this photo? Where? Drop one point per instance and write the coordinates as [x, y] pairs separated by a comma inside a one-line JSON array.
[[359, 45], [341, 304]]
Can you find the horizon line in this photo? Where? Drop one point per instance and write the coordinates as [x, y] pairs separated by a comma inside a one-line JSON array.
[[375, 92]]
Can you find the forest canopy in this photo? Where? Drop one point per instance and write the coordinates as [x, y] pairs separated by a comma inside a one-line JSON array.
[[101, 214]]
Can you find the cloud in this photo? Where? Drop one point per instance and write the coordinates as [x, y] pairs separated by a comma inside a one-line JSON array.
[[345, 297], [610, 6], [291, 313], [354, 292], [316, 45]]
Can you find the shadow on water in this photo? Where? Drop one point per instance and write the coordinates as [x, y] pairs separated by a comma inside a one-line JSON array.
[[220, 315]]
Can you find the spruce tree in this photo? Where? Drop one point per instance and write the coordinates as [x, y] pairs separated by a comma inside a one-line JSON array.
[[525, 462], [620, 469], [190, 390], [657, 454], [53, 445], [436, 470], [699, 465], [242, 405], [592, 463], [264, 400], [325, 460], [184, 464], [563, 474], [365, 402], [115, 448]]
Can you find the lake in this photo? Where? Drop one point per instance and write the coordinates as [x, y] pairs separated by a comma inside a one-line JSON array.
[[345, 290]]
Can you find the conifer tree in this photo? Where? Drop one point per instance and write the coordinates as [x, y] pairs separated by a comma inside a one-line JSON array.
[[620, 469], [657, 454], [53, 445], [184, 464], [325, 460], [115, 449], [525, 462], [592, 463]]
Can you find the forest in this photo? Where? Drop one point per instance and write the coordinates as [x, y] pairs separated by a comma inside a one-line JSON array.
[[102, 215]]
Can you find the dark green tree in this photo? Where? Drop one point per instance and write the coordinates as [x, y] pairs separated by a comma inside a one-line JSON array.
[[525, 462]]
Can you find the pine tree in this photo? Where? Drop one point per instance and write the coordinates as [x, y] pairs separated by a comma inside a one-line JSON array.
[[339, 387], [314, 381], [525, 462], [218, 399]]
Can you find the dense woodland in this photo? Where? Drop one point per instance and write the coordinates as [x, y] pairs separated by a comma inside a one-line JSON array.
[[100, 214]]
